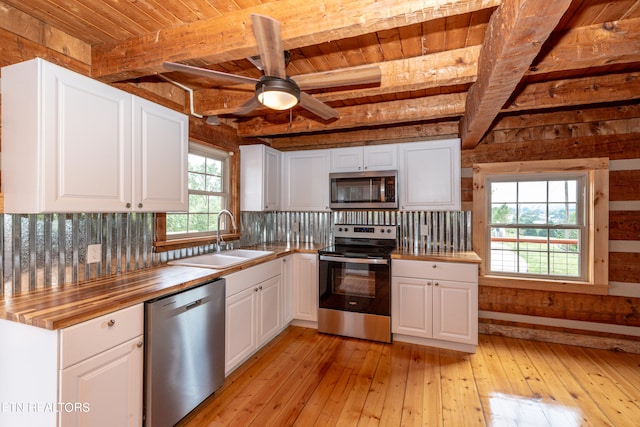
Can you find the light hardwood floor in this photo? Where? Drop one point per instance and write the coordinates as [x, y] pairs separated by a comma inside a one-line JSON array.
[[305, 378]]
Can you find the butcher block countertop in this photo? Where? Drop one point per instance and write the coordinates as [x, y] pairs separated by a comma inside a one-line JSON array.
[[62, 306], [445, 256]]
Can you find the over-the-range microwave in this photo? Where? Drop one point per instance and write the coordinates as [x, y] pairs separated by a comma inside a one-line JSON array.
[[364, 190]]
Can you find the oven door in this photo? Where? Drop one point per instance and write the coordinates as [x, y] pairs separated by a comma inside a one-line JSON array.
[[355, 284]]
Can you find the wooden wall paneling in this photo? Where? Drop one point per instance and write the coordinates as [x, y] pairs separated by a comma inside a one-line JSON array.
[[624, 267], [624, 225], [624, 185]]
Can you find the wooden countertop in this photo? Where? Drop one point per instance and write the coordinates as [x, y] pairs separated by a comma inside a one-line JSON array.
[[422, 255], [62, 306]]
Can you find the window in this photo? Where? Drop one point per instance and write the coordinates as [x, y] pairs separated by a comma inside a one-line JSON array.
[[208, 193], [537, 225], [542, 224]]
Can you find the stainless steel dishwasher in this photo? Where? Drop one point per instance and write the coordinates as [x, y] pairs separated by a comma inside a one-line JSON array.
[[184, 351]]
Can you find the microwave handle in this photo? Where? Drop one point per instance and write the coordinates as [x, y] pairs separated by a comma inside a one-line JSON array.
[[353, 260]]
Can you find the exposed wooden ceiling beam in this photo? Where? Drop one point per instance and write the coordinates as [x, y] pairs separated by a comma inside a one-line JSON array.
[[514, 37], [579, 91], [421, 109], [230, 37], [616, 42], [449, 68]]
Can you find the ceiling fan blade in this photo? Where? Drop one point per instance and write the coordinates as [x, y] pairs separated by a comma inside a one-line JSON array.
[[268, 36], [319, 108], [248, 107], [366, 74], [212, 74]]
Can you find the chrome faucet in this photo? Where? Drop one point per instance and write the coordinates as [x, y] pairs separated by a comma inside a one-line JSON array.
[[219, 239]]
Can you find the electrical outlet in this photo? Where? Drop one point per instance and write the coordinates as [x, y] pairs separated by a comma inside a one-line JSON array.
[[94, 253]]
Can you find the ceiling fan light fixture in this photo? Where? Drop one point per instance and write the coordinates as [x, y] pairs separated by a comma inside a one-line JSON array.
[[277, 93]]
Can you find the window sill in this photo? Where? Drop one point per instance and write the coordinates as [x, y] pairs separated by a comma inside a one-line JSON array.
[[173, 244], [544, 285]]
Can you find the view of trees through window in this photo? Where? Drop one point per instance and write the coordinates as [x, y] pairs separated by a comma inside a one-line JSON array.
[[537, 226], [207, 196]]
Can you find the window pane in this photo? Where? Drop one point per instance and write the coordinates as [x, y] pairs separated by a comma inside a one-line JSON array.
[[502, 213], [216, 203], [563, 191], [197, 163], [504, 192], [532, 192], [198, 203], [198, 222], [214, 184], [177, 223], [196, 181], [532, 214], [563, 213], [214, 167]]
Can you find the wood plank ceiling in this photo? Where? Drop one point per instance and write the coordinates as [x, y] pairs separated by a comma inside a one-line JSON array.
[[448, 66]]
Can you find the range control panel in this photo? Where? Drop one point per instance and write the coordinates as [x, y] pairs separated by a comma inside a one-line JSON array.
[[365, 231]]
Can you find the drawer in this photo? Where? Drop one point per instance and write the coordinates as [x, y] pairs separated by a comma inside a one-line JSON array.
[[94, 336], [244, 279], [459, 272]]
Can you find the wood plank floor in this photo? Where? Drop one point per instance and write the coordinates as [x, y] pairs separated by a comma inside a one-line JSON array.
[[304, 378]]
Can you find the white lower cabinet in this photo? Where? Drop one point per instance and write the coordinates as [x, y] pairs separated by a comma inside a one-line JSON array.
[[89, 374], [253, 311], [305, 287], [435, 303]]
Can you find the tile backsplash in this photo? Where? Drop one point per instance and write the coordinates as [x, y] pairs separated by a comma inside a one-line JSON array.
[[46, 250]]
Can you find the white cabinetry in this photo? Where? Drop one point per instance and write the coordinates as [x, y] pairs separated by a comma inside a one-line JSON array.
[[287, 289], [259, 178], [435, 303], [429, 175], [73, 144], [305, 287], [89, 374], [306, 180], [253, 311], [367, 158]]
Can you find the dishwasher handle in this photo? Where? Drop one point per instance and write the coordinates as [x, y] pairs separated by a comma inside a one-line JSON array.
[[193, 304]]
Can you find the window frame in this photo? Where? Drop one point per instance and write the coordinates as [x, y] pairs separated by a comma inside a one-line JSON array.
[[163, 244], [596, 222]]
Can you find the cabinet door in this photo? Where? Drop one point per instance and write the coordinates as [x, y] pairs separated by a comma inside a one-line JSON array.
[[269, 309], [380, 157], [430, 175], [86, 131], [240, 331], [347, 159], [271, 179], [411, 306], [287, 289], [305, 287], [107, 388], [455, 313], [306, 181], [160, 141]]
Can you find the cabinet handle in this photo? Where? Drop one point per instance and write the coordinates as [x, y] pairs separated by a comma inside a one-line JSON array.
[[111, 322], [255, 289], [140, 205], [128, 205], [140, 344], [428, 283], [434, 266], [260, 287], [437, 283]]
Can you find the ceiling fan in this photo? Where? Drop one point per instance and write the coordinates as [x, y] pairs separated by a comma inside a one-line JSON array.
[[275, 89]]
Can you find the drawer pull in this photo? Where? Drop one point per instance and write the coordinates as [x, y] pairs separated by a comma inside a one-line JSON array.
[[434, 266], [437, 283], [140, 344], [111, 322]]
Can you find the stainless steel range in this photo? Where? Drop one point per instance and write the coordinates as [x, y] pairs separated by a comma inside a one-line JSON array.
[[355, 282]]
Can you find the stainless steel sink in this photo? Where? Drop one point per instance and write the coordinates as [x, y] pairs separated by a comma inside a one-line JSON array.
[[221, 260]]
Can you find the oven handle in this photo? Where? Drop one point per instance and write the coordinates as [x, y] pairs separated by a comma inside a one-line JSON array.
[[354, 260]]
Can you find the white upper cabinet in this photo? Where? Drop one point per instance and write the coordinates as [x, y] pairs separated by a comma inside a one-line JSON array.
[[259, 178], [367, 158], [306, 180], [429, 175], [73, 144], [161, 147]]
